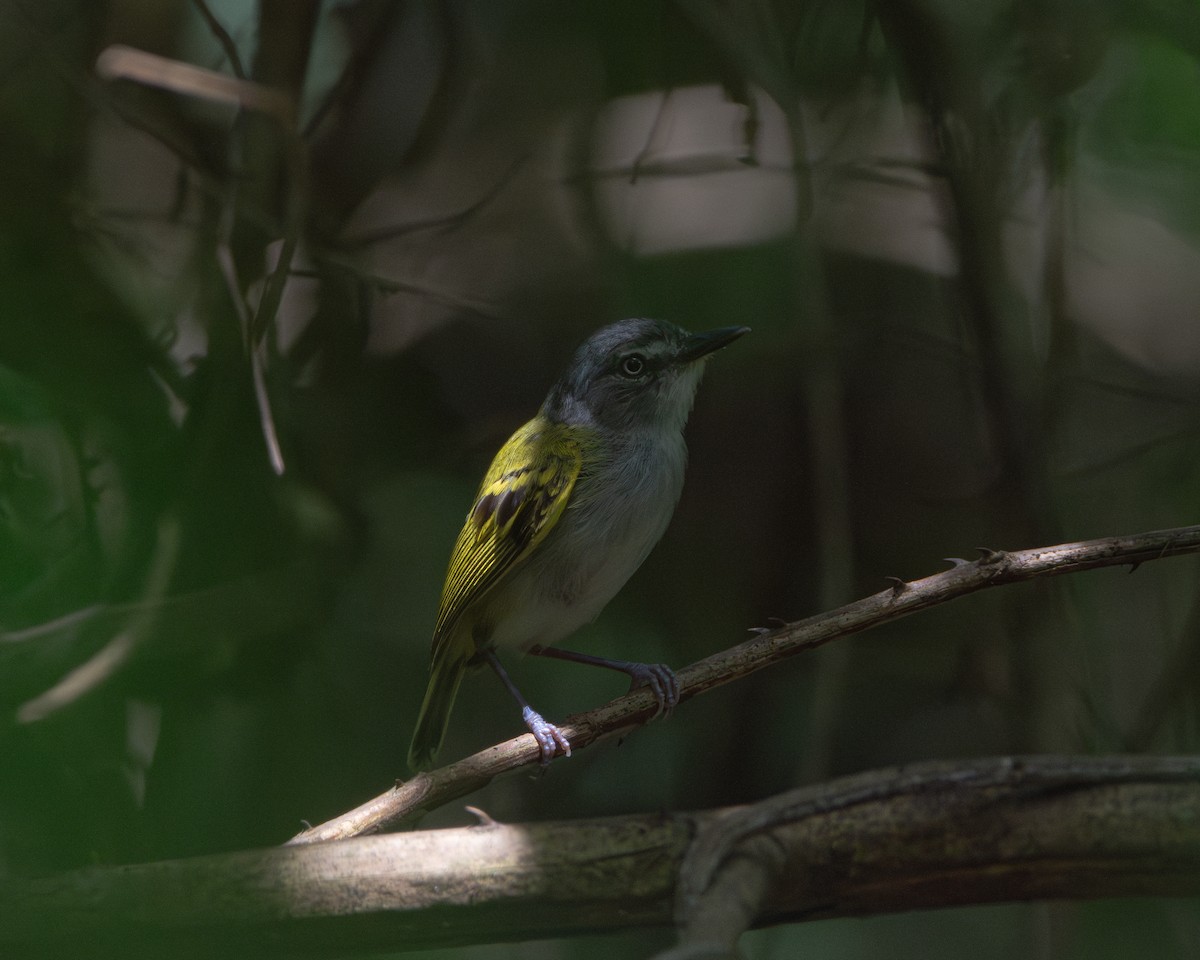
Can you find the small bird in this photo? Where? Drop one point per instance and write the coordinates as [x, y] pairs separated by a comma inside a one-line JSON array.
[[568, 510]]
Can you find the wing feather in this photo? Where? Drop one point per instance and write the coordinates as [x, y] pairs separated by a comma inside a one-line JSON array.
[[521, 498]]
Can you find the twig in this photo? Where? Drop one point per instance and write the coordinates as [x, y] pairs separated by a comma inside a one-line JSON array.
[[256, 332], [111, 659], [918, 837], [409, 800], [119, 62], [222, 36], [443, 221]]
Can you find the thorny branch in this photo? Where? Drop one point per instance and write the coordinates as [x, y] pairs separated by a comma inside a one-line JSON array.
[[408, 800]]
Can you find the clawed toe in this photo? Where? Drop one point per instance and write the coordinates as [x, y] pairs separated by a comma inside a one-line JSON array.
[[662, 682], [550, 739]]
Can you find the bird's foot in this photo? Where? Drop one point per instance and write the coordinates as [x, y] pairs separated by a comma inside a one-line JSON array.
[[550, 739], [662, 682]]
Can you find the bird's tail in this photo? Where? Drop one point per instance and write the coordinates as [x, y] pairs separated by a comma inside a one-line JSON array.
[[435, 712]]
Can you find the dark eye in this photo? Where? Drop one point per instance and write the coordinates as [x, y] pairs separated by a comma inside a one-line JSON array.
[[633, 365]]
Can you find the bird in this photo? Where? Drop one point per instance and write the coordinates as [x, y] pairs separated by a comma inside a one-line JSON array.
[[569, 508]]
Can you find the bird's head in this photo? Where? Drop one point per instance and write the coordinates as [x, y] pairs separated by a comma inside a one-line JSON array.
[[635, 375]]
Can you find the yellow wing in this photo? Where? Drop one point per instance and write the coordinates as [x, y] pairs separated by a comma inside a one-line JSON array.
[[522, 496]]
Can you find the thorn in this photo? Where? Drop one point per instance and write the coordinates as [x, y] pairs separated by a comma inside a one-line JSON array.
[[758, 631], [1133, 566], [988, 555], [955, 561], [485, 819], [307, 825], [777, 622], [898, 585]]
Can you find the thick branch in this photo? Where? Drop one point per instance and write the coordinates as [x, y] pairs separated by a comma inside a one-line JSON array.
[[918, 837], [409, 800]]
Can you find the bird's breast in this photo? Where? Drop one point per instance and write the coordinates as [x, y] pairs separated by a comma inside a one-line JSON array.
[[618, 511]]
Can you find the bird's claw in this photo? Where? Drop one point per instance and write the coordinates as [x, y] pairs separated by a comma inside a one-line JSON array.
[[662, 682], [550, 739]]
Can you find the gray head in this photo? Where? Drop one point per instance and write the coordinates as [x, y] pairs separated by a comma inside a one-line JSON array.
[[635, 374]]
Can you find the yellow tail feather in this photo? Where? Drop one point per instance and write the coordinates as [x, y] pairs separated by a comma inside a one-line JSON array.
[[435, 713]]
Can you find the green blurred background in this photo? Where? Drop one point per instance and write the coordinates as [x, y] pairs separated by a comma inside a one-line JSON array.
[[966, 237]]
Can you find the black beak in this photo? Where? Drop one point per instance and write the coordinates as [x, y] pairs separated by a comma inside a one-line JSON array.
[[702, 344]]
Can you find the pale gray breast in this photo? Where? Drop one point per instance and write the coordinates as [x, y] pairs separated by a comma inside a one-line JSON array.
[[618, 512]]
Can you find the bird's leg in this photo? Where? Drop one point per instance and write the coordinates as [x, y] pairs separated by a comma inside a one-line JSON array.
[[550, 739], [658, 677]]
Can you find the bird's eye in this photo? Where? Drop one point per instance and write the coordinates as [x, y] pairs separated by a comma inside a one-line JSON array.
[[633, 365]]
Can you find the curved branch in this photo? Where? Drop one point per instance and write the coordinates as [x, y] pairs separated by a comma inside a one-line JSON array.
[[984, 831], [408, 800], [916, 837]]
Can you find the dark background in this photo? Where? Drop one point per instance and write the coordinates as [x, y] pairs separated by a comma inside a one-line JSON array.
[[965, 237]]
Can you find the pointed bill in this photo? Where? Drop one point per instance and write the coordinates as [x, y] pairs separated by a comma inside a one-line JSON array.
[[702, 344]]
